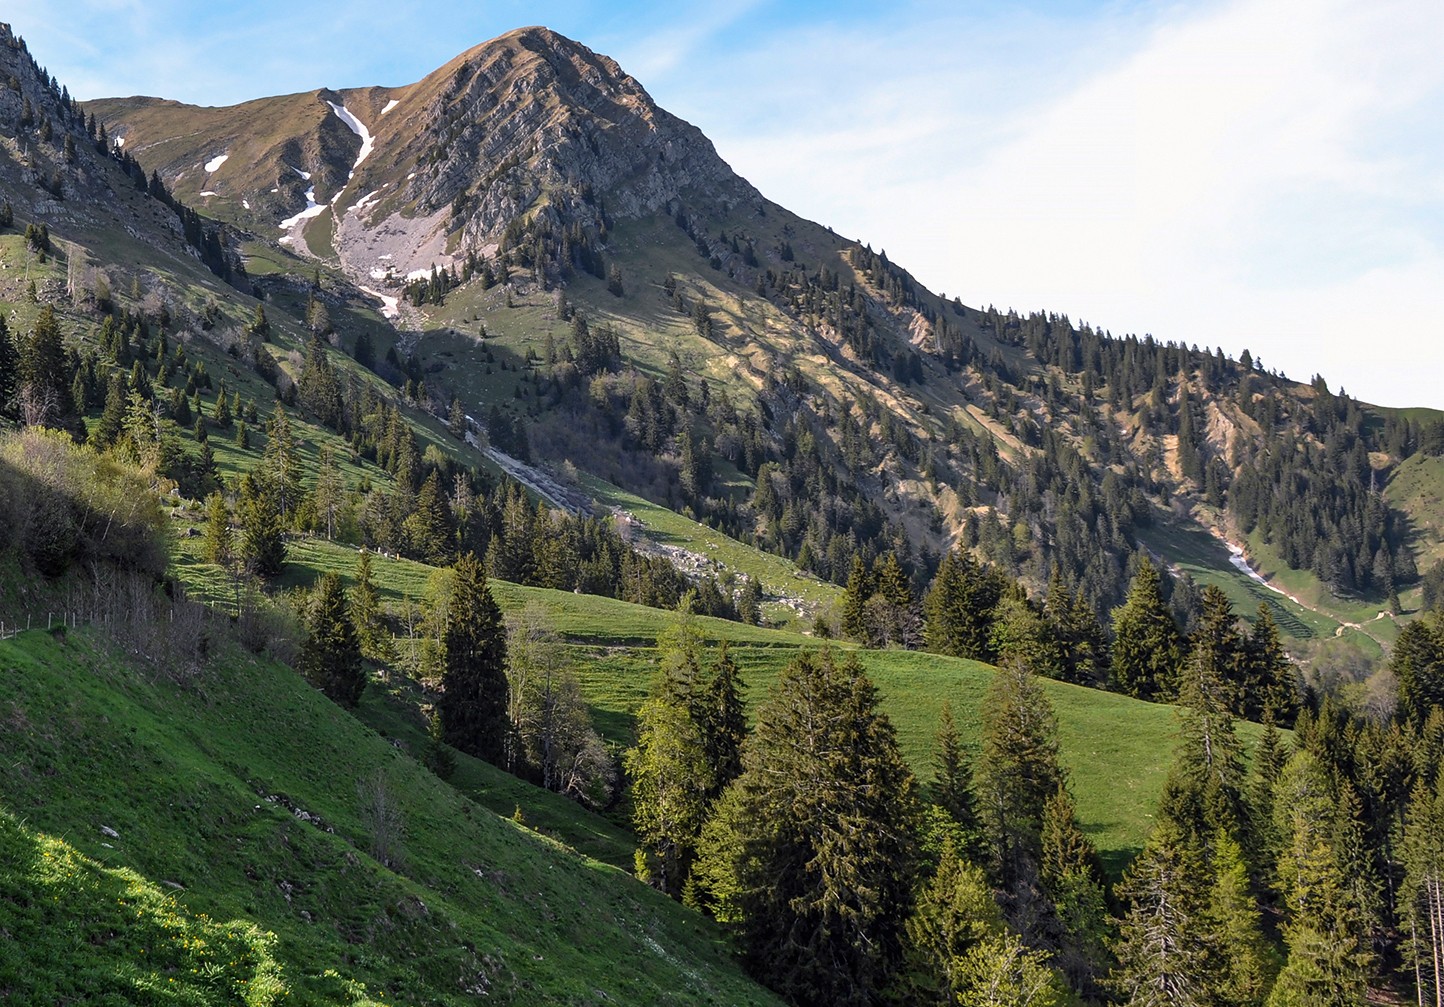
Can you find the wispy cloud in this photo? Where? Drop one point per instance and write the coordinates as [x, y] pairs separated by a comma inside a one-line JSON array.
[[1259, 174]]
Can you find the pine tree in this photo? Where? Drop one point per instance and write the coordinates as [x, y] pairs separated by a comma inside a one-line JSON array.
[[371, 631], [9, 372], [473, 682], [671, 780], [1326, 931], [1018, 771], [1147, 646], [218, 530], [281, 462], [1162, 949], [263, 542], [331, 656], [854, 600], [723, 722], [826, 811]]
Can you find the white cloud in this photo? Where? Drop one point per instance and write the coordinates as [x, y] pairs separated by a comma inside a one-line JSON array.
[[1254, 175]]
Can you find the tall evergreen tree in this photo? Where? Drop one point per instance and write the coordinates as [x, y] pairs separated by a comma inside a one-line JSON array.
[[955, 912], [823, 837], [1162, 950], [218, 530], [1422, 907], [854, 601], [951, 787], [371, 630], [723, 721], [1147, 645], [331, 656], [1325, 931], [263, 540], [473, 681], [281, 462], [1018, 771], [671, 780], [9, 373]]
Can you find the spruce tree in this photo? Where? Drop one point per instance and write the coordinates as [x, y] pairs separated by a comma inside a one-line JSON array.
[[1326, 931], [1147, 646], [1244, 963], [1274, 686], [854, 601], [823, 837], [1072, 880], [473, 682], [723, 721], [331, 656], [1162, 949], [9, 372], [671, 780], [955, 912], [1018, 771], [281, 462], [1422, 898], [218, 530], [366, 613], [263, 542], [951, 787]]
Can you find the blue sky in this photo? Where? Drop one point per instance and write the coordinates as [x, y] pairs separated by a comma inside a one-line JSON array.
[[1239, 173]]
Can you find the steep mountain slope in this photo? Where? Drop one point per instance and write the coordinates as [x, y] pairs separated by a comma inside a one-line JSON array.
[[257, 835], [531, 183]]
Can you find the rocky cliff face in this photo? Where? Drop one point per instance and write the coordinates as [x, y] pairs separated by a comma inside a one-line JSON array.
[[529, 125]]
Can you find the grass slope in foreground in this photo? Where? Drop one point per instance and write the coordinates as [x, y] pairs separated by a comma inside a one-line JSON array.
[[246, 797]]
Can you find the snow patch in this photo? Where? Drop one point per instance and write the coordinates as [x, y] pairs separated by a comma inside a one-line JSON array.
[[366, 201], [246, 203], [368, 142], [390, 105], [214, 163], [210, 192], [389, 305], [387, 256], [380, 274], [120, 141], [305, 175], [313, 209]]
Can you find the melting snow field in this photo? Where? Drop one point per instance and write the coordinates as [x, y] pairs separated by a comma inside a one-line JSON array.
[[210, 192], [368, 142], [313, 209], [389, 307], [214, 163], [390, 105], [305, 175]]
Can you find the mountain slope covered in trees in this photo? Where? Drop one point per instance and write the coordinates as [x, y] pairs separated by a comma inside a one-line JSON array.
[[361, 369]]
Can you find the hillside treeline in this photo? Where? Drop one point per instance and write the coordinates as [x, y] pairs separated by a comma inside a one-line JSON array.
[[1305, 872]]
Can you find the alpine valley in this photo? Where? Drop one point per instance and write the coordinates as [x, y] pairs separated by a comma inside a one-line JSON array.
[[465, 542]]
